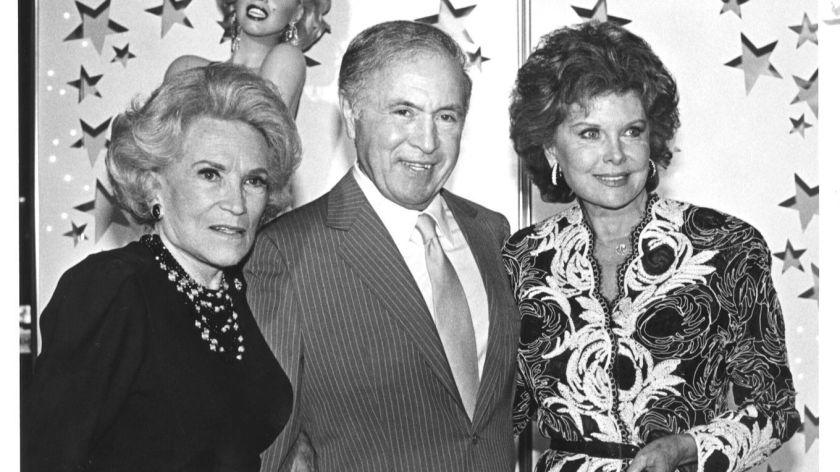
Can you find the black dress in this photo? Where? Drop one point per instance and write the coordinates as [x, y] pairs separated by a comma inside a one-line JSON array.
[[126, 383]]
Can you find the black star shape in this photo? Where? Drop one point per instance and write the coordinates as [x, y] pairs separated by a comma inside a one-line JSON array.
[[754, 62], [93, 139], [106, 210], [810, 428], [807, 31], [799, 125], [475, 59], [86, 85], [733, 5], [790, 257], [96, 24], [122, 55], [448, 19], [806, 201], [171, 12], [599, 12], [808, 91], [77, 233]]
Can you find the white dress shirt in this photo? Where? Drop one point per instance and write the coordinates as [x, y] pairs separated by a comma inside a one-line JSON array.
[[401, 225]]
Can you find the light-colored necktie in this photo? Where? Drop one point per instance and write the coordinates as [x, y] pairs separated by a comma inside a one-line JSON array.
[[451, 315]]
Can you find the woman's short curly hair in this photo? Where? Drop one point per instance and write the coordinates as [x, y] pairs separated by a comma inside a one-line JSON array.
[[311, 26], [149, 136], [574, 64]]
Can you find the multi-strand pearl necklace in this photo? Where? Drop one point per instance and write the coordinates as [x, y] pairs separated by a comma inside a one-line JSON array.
[[214, 314]]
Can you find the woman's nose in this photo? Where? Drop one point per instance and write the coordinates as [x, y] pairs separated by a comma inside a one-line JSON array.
[[614, 151], [234, 199]]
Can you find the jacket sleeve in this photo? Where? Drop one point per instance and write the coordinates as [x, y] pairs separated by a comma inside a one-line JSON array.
[[524, 403], [93, 331], [274, 303], [757, 367]]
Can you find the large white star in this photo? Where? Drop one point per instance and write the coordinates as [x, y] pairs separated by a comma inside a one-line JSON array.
[[806, 201], [599, 12], [754, 62], [94, 139], [105, 209], [808, 91], [807, 31], [96, 24], [449, 20], [171, 12]]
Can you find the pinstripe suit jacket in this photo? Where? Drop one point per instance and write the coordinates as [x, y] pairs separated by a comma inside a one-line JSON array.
[[373, 389]]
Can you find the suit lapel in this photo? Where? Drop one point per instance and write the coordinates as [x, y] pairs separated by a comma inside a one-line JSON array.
[[367, 247], [479, 236]]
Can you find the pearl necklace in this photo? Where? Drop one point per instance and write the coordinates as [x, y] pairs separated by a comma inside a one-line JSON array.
[[214, 314]]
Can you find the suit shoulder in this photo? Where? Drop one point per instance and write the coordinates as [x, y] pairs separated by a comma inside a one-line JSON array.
[[300, 217], [494, 216]]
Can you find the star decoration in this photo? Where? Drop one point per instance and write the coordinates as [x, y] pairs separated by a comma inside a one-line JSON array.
[[310, 62], [105, 209], [807, 31], [77, 233], [93, 139], [86, 84], [96, 24], [754, 62], [733, 5], [808, 91], [225, 24], [790, 257], [122, 55], [449, 20], [836, 10], [810, 428], [599, 12], [806, 201], [171, 12], [813, 293], [799, 125], [475, 59]]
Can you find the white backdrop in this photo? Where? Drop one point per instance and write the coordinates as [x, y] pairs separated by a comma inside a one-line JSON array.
[[738, 152]]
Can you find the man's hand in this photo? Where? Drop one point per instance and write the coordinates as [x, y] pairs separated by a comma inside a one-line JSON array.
[[665, 454]]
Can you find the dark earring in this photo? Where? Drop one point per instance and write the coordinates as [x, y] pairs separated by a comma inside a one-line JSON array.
[[156, 212]]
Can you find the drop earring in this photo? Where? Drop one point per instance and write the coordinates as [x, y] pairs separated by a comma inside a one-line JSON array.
[[556, 173]]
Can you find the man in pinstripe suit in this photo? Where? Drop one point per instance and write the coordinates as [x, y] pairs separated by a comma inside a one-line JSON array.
[[344, 287]]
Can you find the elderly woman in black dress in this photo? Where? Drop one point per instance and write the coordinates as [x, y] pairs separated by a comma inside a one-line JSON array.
[[151, 358], [639, 313]]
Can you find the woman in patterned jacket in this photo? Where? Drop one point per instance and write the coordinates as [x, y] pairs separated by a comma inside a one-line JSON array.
[[639, 313]]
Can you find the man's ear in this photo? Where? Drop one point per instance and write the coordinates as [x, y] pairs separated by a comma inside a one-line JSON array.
[[348, 115]]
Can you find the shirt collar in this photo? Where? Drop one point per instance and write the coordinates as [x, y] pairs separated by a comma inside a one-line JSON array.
[[398, 220]]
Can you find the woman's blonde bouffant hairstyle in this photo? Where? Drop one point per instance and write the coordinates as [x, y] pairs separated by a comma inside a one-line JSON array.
[[148, 137]]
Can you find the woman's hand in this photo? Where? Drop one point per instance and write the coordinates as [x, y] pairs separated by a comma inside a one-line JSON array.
[[665, 454]]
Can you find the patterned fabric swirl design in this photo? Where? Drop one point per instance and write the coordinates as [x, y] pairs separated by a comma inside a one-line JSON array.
[[696, 316]]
